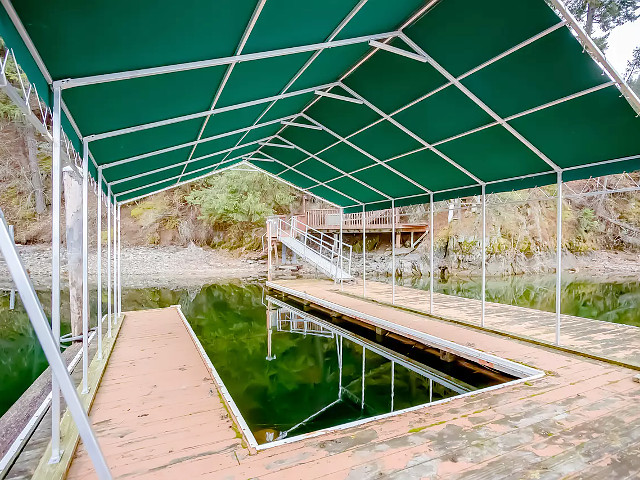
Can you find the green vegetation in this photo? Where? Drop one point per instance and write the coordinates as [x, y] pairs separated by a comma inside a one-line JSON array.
[[239, 203], [603, 14]]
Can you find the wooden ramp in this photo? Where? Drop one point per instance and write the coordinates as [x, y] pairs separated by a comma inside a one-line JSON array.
[[157, 413]]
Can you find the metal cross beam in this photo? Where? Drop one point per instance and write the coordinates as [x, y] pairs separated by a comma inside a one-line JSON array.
[[367, 154], [314, 56], [165, 180], [269, 174], [597, 54], [469, 132], [442, 87], [193, 143], [479, 102], [494, 182], [230, 149], [411, 134], [227, 74], [331, 166], [194, 116], [181, 67], [175, 185], [318, 183]]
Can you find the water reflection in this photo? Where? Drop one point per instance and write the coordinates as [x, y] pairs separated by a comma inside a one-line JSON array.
[[371, 379], [611, 300]]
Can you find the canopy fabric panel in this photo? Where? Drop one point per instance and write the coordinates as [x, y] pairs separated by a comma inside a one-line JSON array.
[[459, 95]]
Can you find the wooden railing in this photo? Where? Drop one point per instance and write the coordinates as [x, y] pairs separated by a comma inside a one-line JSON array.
[[329, 218]]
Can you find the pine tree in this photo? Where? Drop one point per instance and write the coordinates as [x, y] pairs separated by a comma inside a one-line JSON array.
[[605, 14]]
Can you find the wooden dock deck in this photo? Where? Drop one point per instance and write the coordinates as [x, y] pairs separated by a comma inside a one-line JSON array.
[[157, 415], [612, 341]]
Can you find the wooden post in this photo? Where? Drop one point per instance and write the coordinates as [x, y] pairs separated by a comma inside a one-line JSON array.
[[73, 219]]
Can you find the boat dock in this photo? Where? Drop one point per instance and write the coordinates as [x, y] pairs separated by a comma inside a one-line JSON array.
[[159, 413], [595, 338]]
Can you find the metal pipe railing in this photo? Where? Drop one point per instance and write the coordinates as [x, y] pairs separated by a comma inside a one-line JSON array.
[[335, 252]]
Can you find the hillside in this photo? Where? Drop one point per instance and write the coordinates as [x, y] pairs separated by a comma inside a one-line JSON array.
[[226, 211]]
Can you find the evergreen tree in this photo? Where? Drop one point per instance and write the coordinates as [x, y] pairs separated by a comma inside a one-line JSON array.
[[605, 14]]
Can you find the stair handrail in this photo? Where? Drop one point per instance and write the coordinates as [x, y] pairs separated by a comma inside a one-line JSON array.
[[340, 252]]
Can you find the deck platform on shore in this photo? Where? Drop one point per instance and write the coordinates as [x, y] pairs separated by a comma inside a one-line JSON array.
[[157, 414]]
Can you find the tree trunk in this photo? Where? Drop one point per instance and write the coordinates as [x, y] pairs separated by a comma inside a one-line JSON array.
[[591, 13], [73, 217], [34, 168]]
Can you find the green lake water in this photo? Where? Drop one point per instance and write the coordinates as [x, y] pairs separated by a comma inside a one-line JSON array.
[[615, 301], [304, 377]]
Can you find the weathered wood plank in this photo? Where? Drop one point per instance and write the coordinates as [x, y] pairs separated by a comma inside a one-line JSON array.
[[609, 340], [158, 409]]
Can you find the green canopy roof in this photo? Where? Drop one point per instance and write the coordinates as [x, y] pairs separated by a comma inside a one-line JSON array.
[[380, 100]]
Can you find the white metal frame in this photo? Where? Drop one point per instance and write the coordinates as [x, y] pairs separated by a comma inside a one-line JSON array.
[[558, 257], [165, 180], [333, 251], [273, 159], [99, 264], [184, 145], [566, 19], [453, 81], [311, 59], [431, 259], [62, 144], [85, 268], [181, 67], [315, 157], [51, 348], [205, 113], [227, 75], [393, 252], [109, 305], [56, 194]]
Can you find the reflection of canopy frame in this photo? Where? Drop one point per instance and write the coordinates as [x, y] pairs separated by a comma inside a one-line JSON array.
[[340, 334]]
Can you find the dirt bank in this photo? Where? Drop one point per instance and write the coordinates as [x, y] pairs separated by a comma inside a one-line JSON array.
[[150, 266], [179, 267]]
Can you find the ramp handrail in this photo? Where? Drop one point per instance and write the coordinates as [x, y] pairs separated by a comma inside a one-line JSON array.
[[337, 253]]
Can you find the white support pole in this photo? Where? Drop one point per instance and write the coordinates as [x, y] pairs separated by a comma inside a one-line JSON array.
[[119, 261], [99, 264], [364, 252], [115, 265], [12, 292], [484, 252], [51, 349], [340, 250], [56, 194], [269, 224], [393, 252], [431, 253], [109, 262], [85, 267], [558, 256]]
